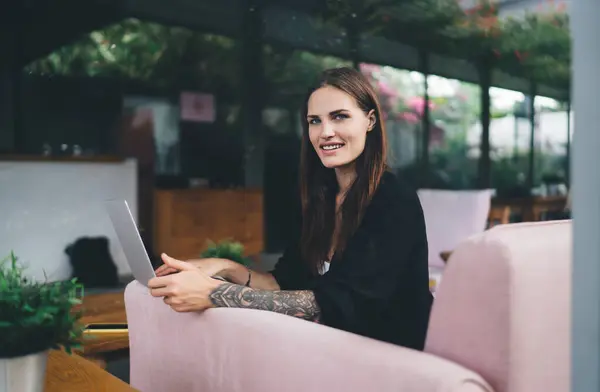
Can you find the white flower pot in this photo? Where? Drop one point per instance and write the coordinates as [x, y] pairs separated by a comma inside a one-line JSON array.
[[23, 374]]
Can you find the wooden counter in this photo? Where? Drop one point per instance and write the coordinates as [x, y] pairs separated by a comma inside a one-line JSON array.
[[185, 219]]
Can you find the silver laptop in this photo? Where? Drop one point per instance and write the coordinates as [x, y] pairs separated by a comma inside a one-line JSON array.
[[131, 241]]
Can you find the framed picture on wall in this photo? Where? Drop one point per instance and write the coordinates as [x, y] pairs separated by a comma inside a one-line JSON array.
[[197, 107]]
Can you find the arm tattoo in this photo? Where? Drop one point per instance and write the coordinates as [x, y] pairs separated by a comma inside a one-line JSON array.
[[301, 304]]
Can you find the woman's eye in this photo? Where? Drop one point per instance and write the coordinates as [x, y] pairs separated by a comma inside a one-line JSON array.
[[340, 116], [313, 121]]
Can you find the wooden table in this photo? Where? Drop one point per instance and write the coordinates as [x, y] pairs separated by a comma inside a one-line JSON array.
[[72, 373], [104, 308], [532, 208]]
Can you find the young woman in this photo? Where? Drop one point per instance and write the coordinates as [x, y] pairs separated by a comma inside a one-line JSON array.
[[360, 261]]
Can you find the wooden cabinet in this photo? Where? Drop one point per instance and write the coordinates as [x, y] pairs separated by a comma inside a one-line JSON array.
[[186, 219]]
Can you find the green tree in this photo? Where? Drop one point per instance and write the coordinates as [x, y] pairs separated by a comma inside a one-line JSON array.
[[148, 52]]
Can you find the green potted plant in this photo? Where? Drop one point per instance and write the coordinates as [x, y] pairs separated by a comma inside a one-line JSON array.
[[36, 317], [227, 249]]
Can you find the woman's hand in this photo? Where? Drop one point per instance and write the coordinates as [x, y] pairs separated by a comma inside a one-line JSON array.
[[187, 291], [211, 267], [230, 270]]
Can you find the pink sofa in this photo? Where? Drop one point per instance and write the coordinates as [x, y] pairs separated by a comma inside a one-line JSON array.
[[500, 322]]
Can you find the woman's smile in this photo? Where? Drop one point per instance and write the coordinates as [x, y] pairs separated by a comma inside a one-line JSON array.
[[330, 148]]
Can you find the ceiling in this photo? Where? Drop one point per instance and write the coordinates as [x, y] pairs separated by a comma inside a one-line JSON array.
[[34, 28]]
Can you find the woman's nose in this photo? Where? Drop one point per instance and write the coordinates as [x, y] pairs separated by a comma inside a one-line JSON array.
[[327, 130]]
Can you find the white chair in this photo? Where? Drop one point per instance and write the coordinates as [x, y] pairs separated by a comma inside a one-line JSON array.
[[451, 217]]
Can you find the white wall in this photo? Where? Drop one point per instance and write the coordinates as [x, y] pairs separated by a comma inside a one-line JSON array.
[[45, 206]]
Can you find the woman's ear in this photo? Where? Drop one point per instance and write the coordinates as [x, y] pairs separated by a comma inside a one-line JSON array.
[[372, 120]]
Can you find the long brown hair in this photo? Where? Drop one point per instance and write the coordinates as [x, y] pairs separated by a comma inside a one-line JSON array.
[[318, 184]]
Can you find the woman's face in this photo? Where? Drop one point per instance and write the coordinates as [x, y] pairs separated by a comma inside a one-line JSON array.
[[337, 127]]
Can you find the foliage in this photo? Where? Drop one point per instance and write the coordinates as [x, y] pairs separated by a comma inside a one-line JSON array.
[[293, 72], [36, 316], [536, 46], [509, 175], [153, 53], [374, 14], [180, 58], [226, 249]]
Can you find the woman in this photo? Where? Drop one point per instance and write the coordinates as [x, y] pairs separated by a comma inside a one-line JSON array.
[[360, 262]]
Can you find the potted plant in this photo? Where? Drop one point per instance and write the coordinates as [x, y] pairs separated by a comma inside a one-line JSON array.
[[227, 249], [35, 317]]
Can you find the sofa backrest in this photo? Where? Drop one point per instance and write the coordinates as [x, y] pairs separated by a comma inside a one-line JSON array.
[[503, 308], [243, 350]]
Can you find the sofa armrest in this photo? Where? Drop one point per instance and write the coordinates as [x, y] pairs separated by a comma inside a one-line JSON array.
[[249, 350]]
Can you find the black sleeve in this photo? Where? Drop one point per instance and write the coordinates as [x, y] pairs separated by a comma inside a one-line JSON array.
[[377, 259], [290, 272]]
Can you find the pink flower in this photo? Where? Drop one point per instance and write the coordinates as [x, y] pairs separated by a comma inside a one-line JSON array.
[[417, 104], [386, 89], [409, 117], [368, 68]]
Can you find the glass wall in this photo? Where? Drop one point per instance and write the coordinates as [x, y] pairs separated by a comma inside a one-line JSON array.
[[454, 109], [156, 74], [510, 139], [401, 95], [289, 74], [510, 135], [551, 155], [455, 133], [168, 96]]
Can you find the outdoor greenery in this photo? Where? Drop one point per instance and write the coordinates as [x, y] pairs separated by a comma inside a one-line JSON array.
[[454, 112], [149, 52], [36, 316], [538, 47], [293, 71], [174, 57], [535, 46]]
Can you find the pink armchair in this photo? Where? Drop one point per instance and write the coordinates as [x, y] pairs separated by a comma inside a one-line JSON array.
[[500, 322]]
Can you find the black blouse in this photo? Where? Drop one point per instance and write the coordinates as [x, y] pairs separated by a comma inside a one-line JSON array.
[[380, 286]]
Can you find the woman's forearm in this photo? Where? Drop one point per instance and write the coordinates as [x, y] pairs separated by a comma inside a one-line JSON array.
[[301, 304], [239, 274]]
